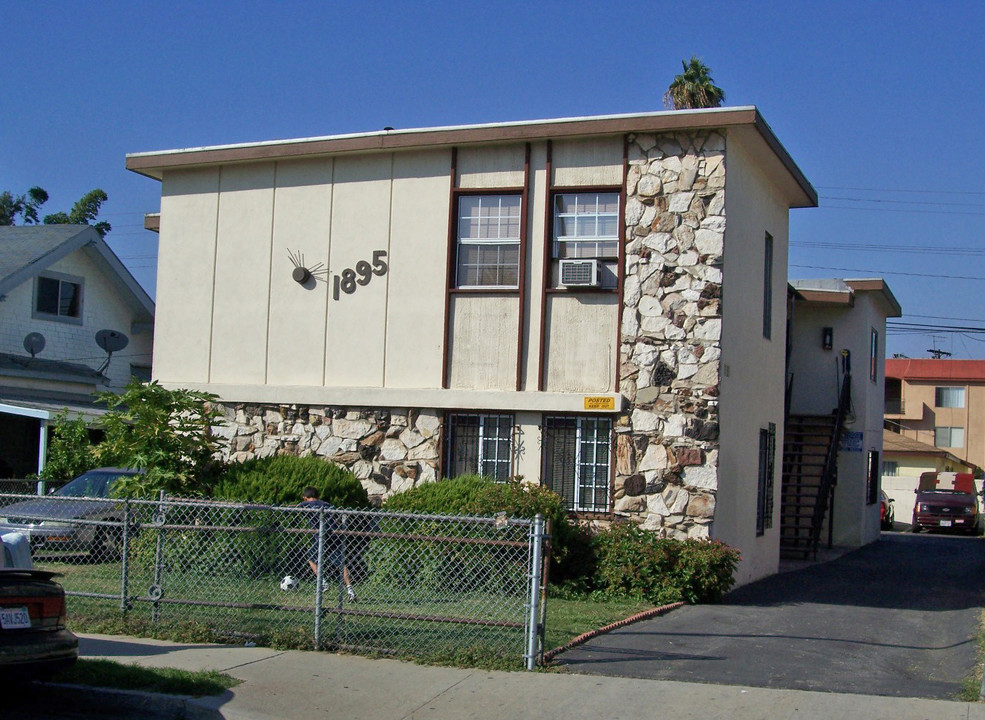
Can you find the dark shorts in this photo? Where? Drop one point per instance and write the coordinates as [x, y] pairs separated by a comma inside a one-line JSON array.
[[333, 556]]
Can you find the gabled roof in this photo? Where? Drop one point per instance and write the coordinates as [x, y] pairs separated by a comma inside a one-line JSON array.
[[895, 444], [932, 369], [28, 250], [745, 122]]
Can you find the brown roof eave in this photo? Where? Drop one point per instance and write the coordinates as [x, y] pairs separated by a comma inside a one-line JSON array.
[[154, 164]]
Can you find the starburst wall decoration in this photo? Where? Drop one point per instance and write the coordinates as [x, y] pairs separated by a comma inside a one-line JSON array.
[[302, 273]]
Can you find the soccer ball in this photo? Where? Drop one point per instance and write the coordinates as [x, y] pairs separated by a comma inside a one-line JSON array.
[[288, 583]]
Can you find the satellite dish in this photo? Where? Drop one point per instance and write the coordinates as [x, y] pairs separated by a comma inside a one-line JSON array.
[[111, 340], [34, 343]]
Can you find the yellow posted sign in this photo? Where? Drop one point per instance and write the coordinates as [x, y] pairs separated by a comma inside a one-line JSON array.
[[599, 402]]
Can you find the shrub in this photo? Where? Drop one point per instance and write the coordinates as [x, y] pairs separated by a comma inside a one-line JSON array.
[[636, 563], [70, 452], [478, 495], [280, 480], [166, 432]]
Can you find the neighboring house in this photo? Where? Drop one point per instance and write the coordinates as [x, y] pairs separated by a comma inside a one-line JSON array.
[[839, 327], [60, 287], [595, 304], [940, 403], [903, 461]]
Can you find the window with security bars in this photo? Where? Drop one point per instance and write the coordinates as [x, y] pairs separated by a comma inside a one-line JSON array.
[[479, 444], [764, 501], [488, 241], [576, 460]]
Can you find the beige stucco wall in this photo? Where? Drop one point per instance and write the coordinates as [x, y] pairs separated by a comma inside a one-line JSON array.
[[922, 416], [752, 366], [816, 385]]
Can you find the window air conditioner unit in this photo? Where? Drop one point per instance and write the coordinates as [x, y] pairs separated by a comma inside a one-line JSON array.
[[581, 273]]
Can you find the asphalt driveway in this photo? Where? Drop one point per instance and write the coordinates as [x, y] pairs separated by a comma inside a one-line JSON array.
[[898, 617]]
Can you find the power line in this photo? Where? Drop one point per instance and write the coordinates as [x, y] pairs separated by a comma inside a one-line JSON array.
[[889, 272], [901, 202], [920, 192]]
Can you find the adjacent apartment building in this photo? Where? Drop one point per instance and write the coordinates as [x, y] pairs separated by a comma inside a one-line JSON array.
[[940, 403], [595, 304]]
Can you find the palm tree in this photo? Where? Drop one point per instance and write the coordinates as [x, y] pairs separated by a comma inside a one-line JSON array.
[[694, 88]]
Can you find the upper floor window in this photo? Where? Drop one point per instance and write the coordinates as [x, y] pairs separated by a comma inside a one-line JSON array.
[[58, 296], [479, 445], [768, 287], [873, 355], [488, 241], [766, 481], [949, 397], [585, 246]]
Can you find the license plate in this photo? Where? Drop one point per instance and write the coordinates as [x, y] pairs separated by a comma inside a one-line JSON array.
[[15, 618], [945, 523]]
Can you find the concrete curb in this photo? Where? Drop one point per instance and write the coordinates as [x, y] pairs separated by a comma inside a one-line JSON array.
[[110, 701], [585, 637]]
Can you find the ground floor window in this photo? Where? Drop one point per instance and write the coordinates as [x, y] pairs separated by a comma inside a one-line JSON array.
[[764, 500], [576, 460], [890, 468], [479, 444], [872, 480]]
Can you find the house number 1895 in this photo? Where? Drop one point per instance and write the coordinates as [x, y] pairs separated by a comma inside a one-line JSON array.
[[347, 280]]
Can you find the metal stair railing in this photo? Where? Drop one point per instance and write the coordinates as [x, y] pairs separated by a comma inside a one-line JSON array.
[[830, 470]]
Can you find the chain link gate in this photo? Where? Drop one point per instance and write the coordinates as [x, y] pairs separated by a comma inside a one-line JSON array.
[[423, 585]]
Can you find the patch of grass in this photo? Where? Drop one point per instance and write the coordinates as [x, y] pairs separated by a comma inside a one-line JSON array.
[[571, 615], [106, 673], [971, 686]]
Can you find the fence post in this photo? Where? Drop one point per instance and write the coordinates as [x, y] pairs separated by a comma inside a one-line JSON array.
[[533, 608], [318, 576], [158, 561], [125, 560]]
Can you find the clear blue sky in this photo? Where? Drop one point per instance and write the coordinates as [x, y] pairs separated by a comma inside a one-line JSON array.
[[880, 103]]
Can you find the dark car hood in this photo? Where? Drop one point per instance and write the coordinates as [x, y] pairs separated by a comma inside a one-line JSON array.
[[55, 509]]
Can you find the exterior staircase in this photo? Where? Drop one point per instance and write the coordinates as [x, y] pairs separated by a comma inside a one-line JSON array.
[[810, 469]]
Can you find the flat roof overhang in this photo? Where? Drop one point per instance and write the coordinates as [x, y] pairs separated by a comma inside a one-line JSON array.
[[745, 121]]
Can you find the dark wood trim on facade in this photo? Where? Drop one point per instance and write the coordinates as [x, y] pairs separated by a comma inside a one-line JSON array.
[[522, 268], [546, 274], [621, 270], [450, 264]]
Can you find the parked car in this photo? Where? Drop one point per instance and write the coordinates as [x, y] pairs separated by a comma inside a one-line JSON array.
[[947, 502], [34, 642], [47, 521], [887, 511]]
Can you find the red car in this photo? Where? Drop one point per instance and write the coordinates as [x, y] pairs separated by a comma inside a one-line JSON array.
[[34, 642], [947, 502]]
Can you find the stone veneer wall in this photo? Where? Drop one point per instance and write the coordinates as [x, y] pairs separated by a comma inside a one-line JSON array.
[[667, 439], [389, 450]]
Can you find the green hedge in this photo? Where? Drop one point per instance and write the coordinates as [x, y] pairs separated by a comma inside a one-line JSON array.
[[279, 480], [479, 495], [637, 563]]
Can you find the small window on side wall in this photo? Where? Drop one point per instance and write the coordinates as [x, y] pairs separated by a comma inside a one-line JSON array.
[[58, 297]]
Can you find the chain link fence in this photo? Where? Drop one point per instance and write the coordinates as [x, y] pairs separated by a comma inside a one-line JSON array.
[[429, 586]]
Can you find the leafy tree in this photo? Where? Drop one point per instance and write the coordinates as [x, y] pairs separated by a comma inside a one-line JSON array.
[[694, 88], [70, 452], [168, 433], [84, 212], [26, 206]]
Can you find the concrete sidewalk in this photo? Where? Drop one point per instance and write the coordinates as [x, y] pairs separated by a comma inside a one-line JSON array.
[[297, 685]]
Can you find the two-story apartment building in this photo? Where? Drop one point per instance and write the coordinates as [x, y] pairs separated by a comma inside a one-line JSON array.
[[596, 304], [940, 403]]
